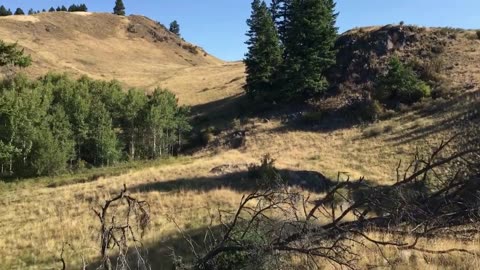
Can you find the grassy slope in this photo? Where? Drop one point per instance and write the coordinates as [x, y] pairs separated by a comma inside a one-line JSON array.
[[35, 220]]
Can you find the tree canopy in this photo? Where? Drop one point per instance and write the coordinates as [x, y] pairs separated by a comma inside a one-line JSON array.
[[56, 123]]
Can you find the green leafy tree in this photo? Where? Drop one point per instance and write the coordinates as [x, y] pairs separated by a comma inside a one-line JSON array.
[[175, 28], [19, 11], [264, 53], [310, 35], [103, 142], [400, 85], [119, 8], [160, 122], [133, 105]]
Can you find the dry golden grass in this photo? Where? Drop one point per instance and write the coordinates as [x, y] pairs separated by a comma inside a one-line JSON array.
[[36, 220]]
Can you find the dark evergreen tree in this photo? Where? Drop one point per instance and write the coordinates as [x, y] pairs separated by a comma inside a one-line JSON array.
[[52, 9], [82, 7], [58, 9], [264, 53], [119, 8], [44, 10], [63, 8], [31, 12], [19, 11], [175, 28], [73, 8], [9, 12], [3, 11], [310, 35], [279, 10]]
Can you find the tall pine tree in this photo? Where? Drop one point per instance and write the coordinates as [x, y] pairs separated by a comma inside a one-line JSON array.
[[310, 35], [264, 53]]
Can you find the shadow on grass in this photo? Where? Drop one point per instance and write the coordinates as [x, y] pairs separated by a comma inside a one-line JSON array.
[[238, 181], [162, 254], [461, 113]]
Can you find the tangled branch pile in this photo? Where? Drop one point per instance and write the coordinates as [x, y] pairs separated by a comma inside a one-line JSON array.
[[436, 195]]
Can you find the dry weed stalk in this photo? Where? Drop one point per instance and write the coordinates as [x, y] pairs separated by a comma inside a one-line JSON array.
[[120, 218]]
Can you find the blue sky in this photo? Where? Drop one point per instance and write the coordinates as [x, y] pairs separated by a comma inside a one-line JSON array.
[[219, 25]]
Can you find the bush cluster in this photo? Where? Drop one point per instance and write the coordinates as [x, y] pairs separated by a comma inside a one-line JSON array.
[[400, 85]]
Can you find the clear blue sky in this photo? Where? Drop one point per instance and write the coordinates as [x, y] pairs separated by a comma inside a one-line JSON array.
[[219, 25]]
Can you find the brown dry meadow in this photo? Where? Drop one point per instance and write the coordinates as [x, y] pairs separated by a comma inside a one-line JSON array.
[[36, 220]]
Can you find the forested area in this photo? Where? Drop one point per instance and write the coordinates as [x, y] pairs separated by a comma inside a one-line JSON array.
[[57, 123]]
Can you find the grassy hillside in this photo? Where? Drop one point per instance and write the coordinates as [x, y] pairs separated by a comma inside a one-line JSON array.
[[134, 50], [38, 217]]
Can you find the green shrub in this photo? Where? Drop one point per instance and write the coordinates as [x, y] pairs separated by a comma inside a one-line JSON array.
[[400, 85], [265, 174]]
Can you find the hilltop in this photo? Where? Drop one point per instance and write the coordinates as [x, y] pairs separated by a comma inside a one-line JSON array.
[[135, 50]]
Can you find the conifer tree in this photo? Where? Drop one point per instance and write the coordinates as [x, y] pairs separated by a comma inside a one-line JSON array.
[[264, 53], [175, 28], [3, 11], [310, 35], [31, 12], [82, 7], [119, 8], [279, 10], [58, 9], [73, 8], [64, 8], [19, 11], [52, 9]]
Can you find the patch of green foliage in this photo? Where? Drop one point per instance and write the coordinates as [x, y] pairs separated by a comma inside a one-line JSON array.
[[400, 85], [57, 124]]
